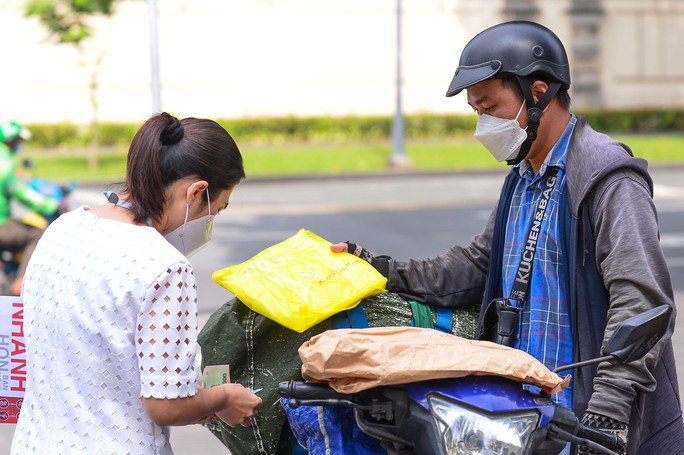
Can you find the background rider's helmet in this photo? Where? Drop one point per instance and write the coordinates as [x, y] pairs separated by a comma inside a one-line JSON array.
[[526, 50], [10, 130]]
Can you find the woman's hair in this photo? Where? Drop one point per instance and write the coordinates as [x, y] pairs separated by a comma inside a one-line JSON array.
[[166, 149]]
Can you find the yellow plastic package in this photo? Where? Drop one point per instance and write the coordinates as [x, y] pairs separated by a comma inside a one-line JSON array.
[[300, 282]]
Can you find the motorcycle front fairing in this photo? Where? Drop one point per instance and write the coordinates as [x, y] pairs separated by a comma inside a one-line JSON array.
[[489, 393], [407, 429], [516, 418]]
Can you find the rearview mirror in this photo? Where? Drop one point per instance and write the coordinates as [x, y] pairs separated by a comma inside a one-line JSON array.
[[635, 336]]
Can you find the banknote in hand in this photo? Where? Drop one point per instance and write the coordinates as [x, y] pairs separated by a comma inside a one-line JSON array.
[[214, 375]]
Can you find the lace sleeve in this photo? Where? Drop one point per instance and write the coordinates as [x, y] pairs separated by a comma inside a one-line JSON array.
[[166, 335]]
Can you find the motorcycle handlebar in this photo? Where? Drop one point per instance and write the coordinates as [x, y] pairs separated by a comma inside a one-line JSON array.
[[307, 391], [608, 440]]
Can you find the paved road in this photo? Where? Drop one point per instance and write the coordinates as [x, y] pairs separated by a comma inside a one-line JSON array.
[[403, 216]]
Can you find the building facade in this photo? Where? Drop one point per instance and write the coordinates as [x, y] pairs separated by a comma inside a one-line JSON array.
[[254, 58]]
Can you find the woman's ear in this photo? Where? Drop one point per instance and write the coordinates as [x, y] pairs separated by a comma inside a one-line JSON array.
[[539, 88], [196, 192]]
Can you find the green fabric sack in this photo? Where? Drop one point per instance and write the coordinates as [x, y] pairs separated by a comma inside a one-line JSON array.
[[261, 354]]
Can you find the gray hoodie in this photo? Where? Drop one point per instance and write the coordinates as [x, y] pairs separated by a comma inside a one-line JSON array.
[[610, 202]]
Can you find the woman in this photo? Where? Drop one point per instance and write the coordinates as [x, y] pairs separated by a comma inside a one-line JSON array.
[[111, 304]]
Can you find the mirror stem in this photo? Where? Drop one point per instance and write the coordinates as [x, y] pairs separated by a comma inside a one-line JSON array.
[[585, 363]]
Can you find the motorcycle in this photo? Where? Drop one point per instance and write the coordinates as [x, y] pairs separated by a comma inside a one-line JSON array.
[[482, 415], [10, 259]]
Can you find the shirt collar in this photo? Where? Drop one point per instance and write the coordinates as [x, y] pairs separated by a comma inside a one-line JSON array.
[[555, 158]]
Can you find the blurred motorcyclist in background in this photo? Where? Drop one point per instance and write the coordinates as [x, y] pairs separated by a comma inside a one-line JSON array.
[[16, 236]]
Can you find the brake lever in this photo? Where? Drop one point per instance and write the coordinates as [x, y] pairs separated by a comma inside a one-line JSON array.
[[381, 409], [561, 435], [294, 403]]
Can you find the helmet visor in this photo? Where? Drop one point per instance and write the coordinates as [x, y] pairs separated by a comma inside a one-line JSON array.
[[467, 76]]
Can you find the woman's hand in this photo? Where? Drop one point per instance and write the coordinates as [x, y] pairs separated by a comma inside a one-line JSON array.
[[232, 403], [208, 419], [240, 405]]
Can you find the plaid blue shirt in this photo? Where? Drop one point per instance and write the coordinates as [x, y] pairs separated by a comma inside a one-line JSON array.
[[544, 326]]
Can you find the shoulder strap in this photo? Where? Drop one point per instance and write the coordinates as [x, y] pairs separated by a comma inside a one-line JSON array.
[[523, 276]]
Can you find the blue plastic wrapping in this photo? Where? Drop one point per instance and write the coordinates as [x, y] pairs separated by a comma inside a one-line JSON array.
[[330, 429]]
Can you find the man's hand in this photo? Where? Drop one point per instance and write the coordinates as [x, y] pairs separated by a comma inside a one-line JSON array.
[[380, 263], [240, 405], [607, 425], [353, 248], [341, 247]]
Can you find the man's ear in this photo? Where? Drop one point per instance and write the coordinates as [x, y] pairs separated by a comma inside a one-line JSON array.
[[539, 88]]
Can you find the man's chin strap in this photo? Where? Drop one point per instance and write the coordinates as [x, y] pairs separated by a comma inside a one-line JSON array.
[[534, 114]]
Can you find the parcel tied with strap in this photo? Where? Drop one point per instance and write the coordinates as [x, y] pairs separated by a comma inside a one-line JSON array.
[[353, 360], [300, 282]]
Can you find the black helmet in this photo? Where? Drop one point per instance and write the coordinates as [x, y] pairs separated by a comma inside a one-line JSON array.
[[521, 49], [518, 48]]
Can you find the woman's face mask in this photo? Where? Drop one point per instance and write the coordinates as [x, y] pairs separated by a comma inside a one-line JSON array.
[[192, 235], [502, 137]]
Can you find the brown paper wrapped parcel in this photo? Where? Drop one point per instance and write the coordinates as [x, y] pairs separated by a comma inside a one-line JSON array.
[[352, 360]]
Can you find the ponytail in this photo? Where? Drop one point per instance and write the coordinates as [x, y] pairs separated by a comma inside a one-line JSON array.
[[166, 149]]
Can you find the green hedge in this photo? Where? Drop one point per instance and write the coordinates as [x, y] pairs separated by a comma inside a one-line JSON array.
[[637, 121], [339, 129], [52, 135]]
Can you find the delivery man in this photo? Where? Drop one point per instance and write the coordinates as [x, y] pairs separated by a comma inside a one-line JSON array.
[[571, 248]]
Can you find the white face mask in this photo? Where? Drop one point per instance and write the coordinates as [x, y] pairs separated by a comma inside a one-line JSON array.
[[192, 235], [502, 137]]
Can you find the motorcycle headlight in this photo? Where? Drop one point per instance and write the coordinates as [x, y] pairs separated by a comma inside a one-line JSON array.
[[470, 431]]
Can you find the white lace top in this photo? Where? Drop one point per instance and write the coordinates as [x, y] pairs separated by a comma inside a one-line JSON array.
[[110, 317]]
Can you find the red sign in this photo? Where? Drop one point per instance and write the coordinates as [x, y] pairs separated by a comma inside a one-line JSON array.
[[12, 359]]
